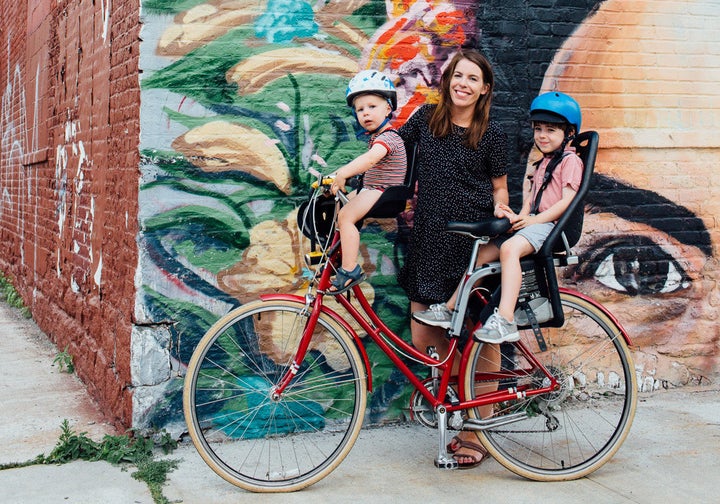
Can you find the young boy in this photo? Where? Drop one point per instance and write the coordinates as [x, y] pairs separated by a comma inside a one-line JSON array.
[[555, 118], [373, 99]]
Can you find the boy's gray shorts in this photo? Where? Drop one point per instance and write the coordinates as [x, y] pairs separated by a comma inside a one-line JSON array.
[[536, 234]]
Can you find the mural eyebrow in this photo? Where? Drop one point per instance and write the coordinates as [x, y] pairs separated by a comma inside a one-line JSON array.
[[648, 207]]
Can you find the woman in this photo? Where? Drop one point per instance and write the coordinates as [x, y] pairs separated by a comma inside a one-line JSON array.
[[462, 163]]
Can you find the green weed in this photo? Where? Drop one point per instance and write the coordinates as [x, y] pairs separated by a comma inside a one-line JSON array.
[[11, 296], [64, 361], [126, 449]]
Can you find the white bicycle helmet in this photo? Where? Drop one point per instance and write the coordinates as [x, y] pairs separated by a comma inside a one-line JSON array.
[[373, 82]]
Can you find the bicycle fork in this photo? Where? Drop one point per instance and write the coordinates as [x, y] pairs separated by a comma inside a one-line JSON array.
[[277, 390]]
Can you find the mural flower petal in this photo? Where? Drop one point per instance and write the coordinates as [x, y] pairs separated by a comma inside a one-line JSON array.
[[332, 20], [257, 71], [274, 262], [205, 22], [223, 146]]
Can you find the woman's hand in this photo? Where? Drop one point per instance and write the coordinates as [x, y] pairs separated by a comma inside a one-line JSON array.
[[523, 221]]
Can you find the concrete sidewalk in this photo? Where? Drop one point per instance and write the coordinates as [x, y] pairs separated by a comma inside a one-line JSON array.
[[671, 455]]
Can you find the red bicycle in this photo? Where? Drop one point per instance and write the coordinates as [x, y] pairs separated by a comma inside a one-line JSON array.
[[275, 392]]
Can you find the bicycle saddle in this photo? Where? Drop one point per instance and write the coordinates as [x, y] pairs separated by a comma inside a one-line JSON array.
[[482, 229]]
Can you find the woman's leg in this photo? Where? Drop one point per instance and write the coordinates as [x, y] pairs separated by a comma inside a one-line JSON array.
[[467, 451], [465, 443], [424, 336], [487, 253]]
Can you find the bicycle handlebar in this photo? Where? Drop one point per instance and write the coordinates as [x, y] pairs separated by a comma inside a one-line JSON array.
[[325, 182], [342, 197]]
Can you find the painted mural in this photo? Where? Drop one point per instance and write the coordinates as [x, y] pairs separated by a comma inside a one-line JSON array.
[[242, 99], [646, 74]]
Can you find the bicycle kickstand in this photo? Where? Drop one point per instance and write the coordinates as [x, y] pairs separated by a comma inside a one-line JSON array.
[[444, 460]]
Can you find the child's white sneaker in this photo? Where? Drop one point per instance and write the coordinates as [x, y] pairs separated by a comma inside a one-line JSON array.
[[497, 330]]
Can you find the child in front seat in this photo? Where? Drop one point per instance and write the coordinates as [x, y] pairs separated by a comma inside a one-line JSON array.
[[555, 119], [373, 99]]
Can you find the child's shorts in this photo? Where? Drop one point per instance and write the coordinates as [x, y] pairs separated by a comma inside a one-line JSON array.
[[536, 234]]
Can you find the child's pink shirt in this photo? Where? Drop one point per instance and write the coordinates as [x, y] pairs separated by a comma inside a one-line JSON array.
[[567, 174]]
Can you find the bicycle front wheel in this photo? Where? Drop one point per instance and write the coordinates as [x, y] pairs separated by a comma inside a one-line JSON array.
[[249, 435], [572, 431]]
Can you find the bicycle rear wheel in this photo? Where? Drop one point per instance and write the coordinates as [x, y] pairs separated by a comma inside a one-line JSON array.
[[572, 431], [248, 436]]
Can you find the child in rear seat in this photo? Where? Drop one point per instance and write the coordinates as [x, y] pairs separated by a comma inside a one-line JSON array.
[[555, 119]]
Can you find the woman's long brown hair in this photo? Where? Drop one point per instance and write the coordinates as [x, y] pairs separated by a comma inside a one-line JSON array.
[[441, 121]]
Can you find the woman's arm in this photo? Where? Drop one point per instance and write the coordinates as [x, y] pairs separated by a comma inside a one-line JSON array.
[[410, 131], [501, 195]]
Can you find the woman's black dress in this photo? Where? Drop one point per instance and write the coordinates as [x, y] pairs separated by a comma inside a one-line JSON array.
[[454, 184]]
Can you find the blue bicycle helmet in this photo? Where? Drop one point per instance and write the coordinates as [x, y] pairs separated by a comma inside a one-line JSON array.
[[372, 82], [556, 107]]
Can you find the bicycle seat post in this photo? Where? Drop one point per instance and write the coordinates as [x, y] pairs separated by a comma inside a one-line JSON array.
[[476, 250]]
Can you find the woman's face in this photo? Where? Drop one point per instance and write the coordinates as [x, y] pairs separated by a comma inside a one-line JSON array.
[[467, 84], [650, 248]]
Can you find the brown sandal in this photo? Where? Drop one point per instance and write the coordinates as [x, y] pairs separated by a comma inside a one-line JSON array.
[[476, 461], [454, 445]]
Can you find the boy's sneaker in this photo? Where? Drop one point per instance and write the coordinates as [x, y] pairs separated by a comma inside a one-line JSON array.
[[497, 330], [437, 316]]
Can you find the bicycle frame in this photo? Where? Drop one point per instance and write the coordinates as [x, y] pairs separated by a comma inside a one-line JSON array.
[[275, 395], [376, 329]]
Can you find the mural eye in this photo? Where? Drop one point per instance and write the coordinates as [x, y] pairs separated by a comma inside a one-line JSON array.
[[634, 266]]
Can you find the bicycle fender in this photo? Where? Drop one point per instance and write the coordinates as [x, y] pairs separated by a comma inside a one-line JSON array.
[[600, 307], [294, 298]]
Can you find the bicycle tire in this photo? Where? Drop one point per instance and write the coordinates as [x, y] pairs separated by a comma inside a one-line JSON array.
[[569, 433], [248, 437]]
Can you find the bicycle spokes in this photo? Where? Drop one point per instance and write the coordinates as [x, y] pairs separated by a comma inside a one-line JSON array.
[[575, 428], [246, 430]]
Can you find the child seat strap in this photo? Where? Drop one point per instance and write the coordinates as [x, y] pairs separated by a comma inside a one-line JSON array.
[[554, 162]]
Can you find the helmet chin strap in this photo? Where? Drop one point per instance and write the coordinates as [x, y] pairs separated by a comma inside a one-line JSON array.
[[365, 132]]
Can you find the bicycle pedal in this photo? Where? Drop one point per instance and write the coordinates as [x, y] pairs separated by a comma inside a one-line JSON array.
[[313, 258], [449, 463]]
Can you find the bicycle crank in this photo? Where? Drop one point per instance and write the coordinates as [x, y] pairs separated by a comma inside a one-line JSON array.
[[420, 409]]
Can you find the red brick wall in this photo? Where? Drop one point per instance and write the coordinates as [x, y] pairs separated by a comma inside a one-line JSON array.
[[69, 170]]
